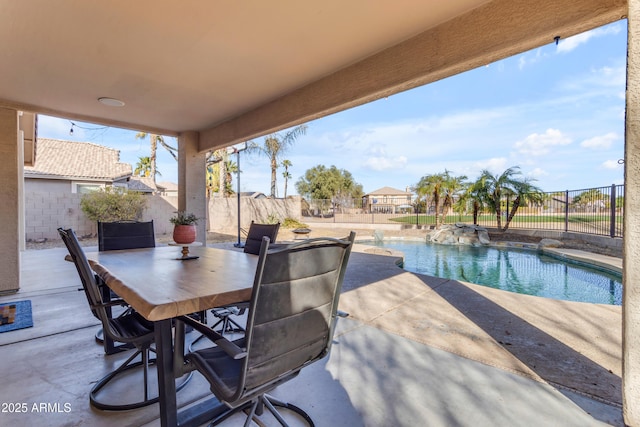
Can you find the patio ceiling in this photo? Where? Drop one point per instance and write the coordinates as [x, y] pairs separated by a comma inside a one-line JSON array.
[[238, 70]]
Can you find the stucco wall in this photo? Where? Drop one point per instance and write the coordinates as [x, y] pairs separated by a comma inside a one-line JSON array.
[[46, 185], [223, 212], [45, 211], [10, 176]]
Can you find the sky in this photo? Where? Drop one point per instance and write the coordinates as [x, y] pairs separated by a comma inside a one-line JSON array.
[[557, 112]]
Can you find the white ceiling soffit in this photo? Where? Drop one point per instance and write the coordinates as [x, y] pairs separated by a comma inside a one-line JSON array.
[[196, 65]]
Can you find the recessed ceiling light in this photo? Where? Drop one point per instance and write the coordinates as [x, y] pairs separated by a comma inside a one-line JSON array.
[[111, 102]]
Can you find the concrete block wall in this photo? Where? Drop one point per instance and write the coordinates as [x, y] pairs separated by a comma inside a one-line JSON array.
[[160, 209], [46, 211]]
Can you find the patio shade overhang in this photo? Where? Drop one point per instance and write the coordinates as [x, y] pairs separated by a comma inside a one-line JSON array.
[[234, 71]]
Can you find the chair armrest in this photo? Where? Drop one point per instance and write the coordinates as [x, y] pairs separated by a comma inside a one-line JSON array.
[[229, 347], [111, 303]]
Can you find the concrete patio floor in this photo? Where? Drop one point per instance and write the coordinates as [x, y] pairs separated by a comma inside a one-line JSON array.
[[415, 350]]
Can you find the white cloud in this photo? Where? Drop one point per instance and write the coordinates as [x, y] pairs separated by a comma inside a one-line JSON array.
[[385, 163], [600, 142], [611, 164], [493, 165], [530, 58], [540, 144], [571, 43], [379, 160], [537, 173]]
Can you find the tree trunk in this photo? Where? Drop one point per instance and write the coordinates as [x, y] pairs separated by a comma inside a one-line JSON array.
[[436, 202], [512, 213], [476, 208], [274, 167], [498, 217], [152, 158], [222, 173], [444, 212]]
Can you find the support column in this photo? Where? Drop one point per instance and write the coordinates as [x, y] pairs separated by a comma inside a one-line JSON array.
[[192, 193], [10, 176], [631, 266]]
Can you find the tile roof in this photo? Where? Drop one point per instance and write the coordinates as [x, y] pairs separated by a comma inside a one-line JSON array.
[[168, 186], [143, 184], [388, 191], [60, 159]]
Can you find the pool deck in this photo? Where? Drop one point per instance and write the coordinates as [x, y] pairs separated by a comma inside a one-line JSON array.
[[574, 345], [604, 261], [414, 350]]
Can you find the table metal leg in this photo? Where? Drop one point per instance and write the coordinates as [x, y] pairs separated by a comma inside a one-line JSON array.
[[166, 377], [170, 365]]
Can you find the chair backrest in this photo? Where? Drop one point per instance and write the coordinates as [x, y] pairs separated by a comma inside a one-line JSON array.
[[255, 235], [87, 277], [293, 309], [125, 235]]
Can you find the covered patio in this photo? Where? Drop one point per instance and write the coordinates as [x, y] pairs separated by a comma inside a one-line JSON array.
[[415, 350], [214, 74]]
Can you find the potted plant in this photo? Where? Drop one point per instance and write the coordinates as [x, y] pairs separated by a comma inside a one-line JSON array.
[[184, 230]]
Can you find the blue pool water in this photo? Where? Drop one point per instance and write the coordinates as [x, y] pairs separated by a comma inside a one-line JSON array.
[[516, 270]]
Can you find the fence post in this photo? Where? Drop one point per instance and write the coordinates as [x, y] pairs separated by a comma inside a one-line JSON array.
[[333, 207], [612, 209], [566, 211]]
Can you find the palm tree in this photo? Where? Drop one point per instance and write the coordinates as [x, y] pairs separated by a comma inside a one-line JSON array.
[[219, 173], [155, 140], [143, 167], [440, 187], [507, 185], [451, 188], [474, 193], [430, 186], [274, 146], [286, 164], [230, 167]]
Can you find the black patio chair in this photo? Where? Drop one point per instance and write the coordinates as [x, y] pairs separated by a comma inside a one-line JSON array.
[[125, 235], [130, 328], [251, 246], [118, 236], [290, 325]]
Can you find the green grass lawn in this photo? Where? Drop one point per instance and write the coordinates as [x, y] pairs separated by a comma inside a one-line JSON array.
[[423, 219]]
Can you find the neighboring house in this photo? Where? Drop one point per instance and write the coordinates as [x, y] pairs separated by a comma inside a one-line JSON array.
[[388, 200], [168, 188], [253, 194], [146, 185], [74, 167]]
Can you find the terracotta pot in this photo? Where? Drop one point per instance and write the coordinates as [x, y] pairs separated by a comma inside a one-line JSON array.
[[184, 233]]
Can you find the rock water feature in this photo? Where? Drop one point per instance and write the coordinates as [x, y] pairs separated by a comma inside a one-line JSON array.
[[459, 234], [473, 235]]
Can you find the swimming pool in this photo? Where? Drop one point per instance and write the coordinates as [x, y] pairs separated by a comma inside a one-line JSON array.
[[515, 270]]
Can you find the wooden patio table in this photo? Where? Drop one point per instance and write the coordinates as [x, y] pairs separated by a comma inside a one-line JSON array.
[[160, 288]]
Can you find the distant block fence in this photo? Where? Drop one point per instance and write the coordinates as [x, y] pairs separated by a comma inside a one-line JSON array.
[[46, 211]]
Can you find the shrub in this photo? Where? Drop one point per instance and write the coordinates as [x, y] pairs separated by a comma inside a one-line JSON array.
[[113, 204], [183, 218], [272, 219], [293, 223]]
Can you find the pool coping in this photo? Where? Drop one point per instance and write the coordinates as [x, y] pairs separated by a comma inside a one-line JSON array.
[[602, 261]]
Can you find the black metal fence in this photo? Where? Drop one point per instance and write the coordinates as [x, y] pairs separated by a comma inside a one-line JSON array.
[[593, 211]]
